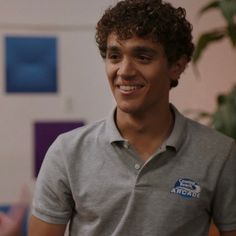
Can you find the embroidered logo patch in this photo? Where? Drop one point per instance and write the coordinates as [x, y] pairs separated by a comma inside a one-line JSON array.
[[186, 188]]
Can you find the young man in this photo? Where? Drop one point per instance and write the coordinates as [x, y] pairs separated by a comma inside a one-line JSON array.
[[146, 169]]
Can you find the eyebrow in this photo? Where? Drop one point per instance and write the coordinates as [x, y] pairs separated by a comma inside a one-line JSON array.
[[144, 49], [113, 49], [136, 49]]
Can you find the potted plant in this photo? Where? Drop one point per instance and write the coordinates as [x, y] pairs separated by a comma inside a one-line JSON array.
[[228, 9], [224, 118]]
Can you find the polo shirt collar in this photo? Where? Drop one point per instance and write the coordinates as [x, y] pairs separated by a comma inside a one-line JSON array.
[[112, 131], [175, 139], [178, 133]]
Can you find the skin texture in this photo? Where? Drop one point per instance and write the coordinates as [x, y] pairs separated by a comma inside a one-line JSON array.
[[141, 63], [38, 227], [139, 76]]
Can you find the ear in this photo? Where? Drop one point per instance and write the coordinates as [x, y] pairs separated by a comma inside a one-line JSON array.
[[178, 67]]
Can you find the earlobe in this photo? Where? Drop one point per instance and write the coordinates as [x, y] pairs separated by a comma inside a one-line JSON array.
[[178, 68]]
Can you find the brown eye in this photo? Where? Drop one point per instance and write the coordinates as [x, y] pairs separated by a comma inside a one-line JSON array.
[[114, 57], [144, 59]]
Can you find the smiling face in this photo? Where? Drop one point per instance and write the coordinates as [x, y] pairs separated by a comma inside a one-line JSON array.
[[138, 74]]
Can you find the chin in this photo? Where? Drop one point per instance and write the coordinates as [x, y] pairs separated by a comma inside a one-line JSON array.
[[129, 109]]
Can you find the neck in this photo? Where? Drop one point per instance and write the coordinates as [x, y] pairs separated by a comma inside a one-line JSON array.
[[145, 133], [154, 123]]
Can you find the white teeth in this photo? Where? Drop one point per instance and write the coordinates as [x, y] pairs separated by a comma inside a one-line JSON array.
[[129, 87]]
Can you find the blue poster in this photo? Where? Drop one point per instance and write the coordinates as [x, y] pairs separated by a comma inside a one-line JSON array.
[[31, 64]]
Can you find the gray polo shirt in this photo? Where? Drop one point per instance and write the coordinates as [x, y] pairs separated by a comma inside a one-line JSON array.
[[93, 178]]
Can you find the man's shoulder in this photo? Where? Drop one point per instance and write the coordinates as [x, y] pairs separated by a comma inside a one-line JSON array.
[[89, 138], [90, 130], [208, 135]]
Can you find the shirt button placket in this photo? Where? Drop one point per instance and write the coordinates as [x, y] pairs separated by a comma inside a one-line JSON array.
[[137, 166], [126, 145]]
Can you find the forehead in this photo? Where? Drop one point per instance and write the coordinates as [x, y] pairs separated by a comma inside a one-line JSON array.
[[114, 41]]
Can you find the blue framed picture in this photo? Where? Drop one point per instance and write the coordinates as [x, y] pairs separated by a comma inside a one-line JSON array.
[[31, 64]]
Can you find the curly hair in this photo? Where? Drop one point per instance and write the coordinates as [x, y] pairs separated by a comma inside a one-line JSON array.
[[148, 18]]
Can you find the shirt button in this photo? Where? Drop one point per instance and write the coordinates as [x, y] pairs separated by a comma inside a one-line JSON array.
[[137, 166], [126, 145]]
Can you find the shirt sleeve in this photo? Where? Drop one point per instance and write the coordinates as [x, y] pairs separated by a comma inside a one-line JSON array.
[[53, 202], [224, 205]]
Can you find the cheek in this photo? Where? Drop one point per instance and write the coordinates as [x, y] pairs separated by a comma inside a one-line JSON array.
[[153, 71], [109, 70], [158, 79]]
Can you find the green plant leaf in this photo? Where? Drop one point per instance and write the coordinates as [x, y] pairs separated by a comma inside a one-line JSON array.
[[228, 9], [211, 5], [221, 99], [224, 118], [204, 40]]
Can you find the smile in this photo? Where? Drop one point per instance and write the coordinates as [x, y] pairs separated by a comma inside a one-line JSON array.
[[129, 88]]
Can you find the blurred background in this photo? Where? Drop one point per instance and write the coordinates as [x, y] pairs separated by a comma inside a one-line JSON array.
[[82, 93]]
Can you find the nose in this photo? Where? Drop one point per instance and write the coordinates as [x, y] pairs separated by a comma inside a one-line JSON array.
[[126, 69]]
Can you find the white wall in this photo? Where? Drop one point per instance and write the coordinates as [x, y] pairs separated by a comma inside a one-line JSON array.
[[84, 93]]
